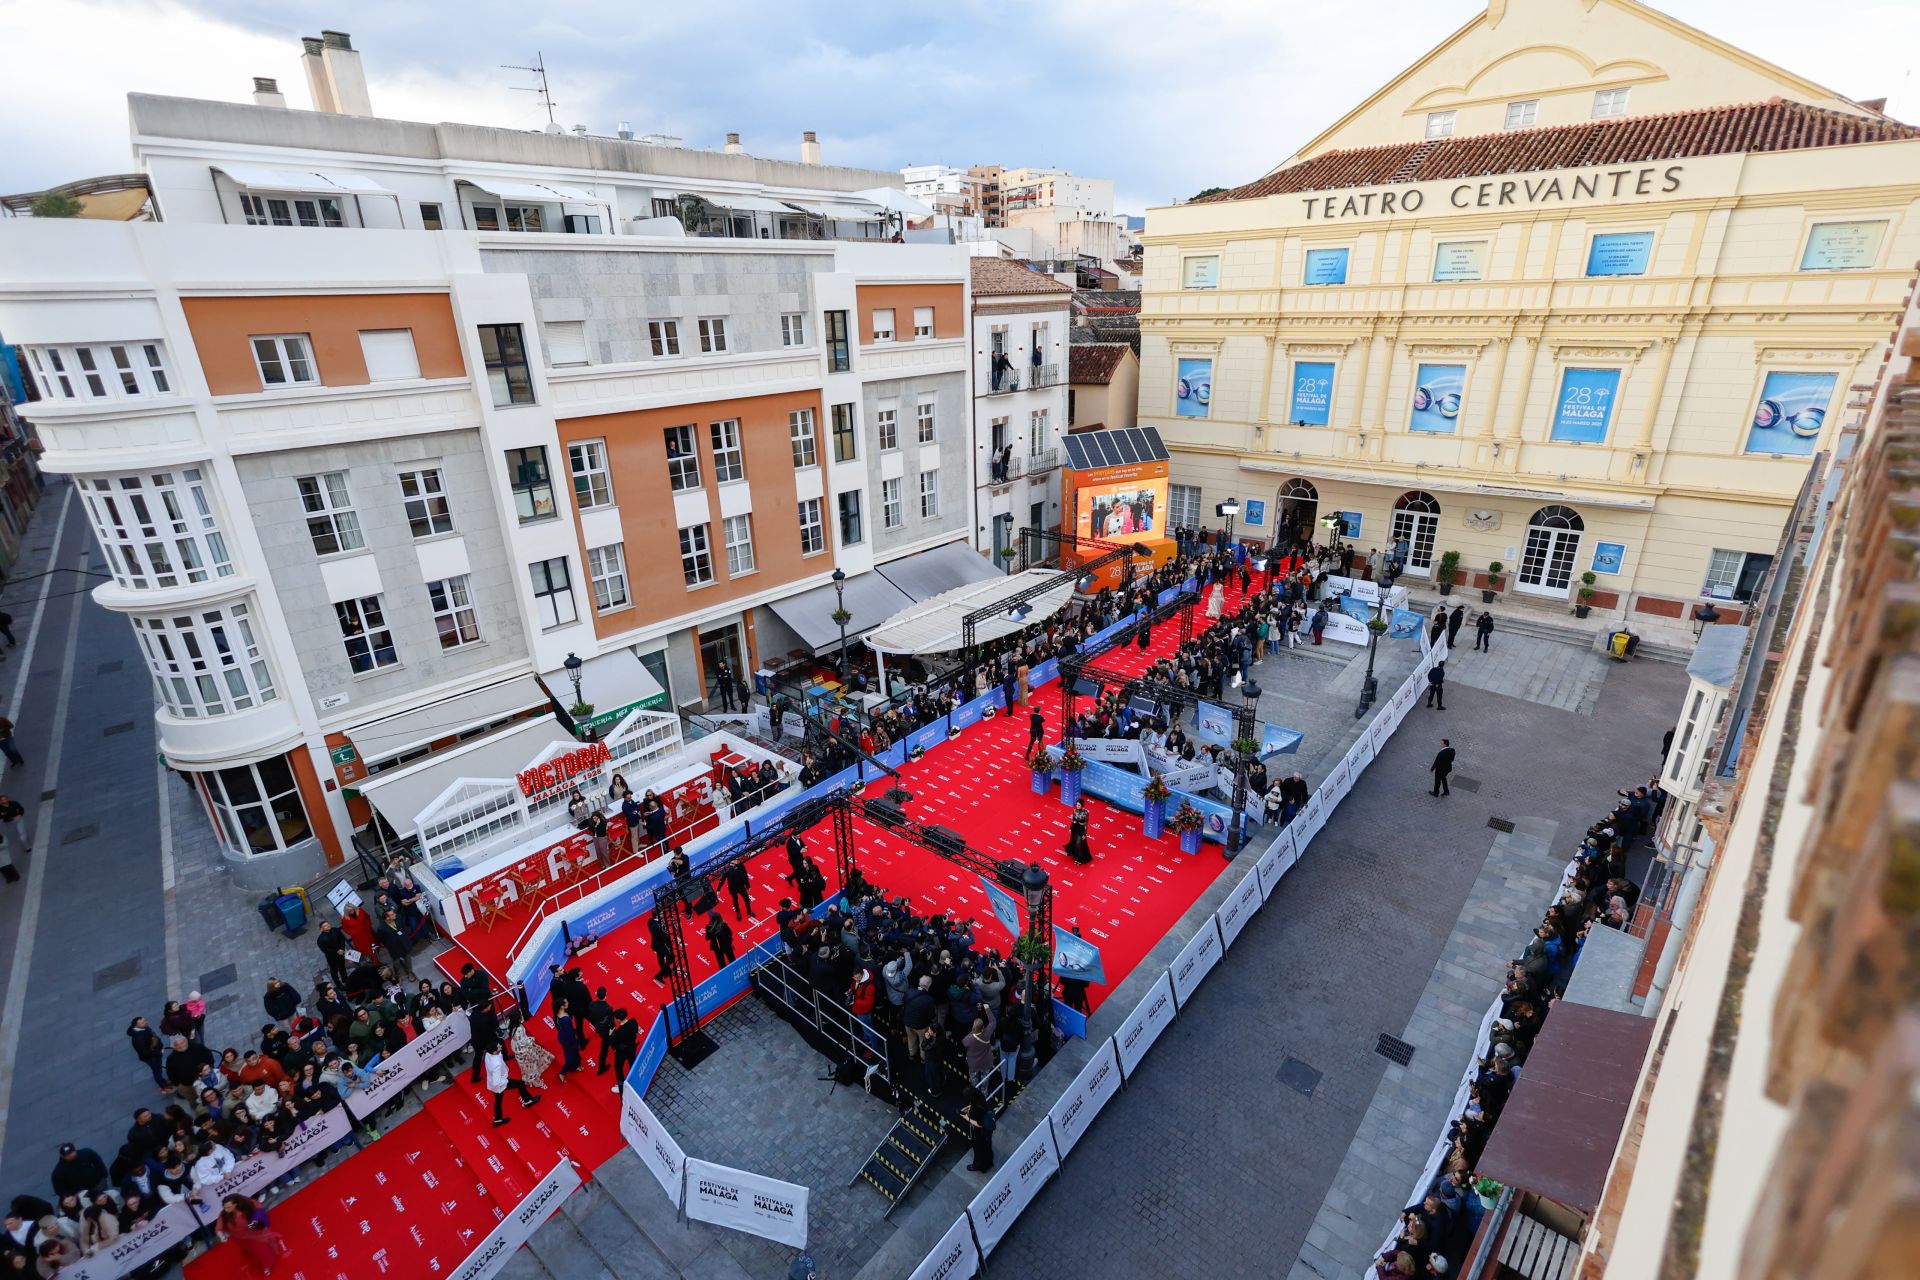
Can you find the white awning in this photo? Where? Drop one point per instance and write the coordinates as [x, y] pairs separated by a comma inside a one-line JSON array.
[[871, 599], [401, 795], [417, 726], [356, 182], [754, 204], [929, 573], [938, 625], [537, 192], [305, 180], [896, 201], [861, 213], [612, 682]]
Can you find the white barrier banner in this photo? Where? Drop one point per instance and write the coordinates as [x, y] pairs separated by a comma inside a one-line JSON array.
[[1011, 1187], [1346, 629], [1274, 862], [652, 1143], [309, 1139], [1359, 756], [1191, 777], [956, 1257], [1113, 750], [1076, 1108], [1239, 907], [519, 1225], [397, 1072], [747, 1202], [1358, 588], [138, 1246], [1143, 1026], [1196, 960]]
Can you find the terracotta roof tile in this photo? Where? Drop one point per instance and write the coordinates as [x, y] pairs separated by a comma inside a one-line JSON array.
[[1776, 125], [1004, 276], [1094, 361]]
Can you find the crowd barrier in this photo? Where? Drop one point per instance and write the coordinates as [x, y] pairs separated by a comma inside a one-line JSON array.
[[965, 1245]]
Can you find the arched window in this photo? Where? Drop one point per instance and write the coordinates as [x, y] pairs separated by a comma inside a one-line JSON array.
[[1557, 517], [1301, 489], [1418, 500]]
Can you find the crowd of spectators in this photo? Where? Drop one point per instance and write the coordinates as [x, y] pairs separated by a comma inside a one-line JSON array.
[[1435, 1234]]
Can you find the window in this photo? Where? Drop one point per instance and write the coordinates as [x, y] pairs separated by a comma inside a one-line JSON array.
[[929, 494], [1522, 114], [923, 322], [259, 806], [729, 460], [713, 335], [923, 422], [1183, 505], [552, 592], [1037, 426], [607, 568], [839, 351], [793, 330], [845, 448], [800, 429], [892, 510], [363, 628], [107, 372], [425, 498], [1610, 102], [451, 600], [1201, 272], [663, 207], [1735, 575], [505, 353], [889, 424], [331, 521], [813, 533], [581, 224], [486, 218], [284, 360], [566, 342], [532, 485], [665, 335], [883, 324], [683, 460], [285, 211], [1440, 124], [851, 532], [522, 217], [206, 663], [591, 485], [696, 560], [737, 533], [157, 530], [430, 216], [389, 354]]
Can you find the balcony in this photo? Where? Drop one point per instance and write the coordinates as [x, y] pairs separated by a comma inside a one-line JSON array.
[[1031, 378], [1042, 461]]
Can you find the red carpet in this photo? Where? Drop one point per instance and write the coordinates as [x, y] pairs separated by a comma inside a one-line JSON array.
[[415, 1203]]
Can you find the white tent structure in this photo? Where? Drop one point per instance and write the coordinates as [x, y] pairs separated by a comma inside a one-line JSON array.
[[937, 625]]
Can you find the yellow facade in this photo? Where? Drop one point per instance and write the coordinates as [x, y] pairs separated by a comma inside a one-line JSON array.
[[1757, 264]]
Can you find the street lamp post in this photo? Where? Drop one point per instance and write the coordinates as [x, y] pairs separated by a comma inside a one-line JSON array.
[[1037, 888], [573, 665], [1370, 689], [840, 615], [1246, 723]]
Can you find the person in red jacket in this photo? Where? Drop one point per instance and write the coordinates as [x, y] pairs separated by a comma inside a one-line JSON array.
[[358, 926], [860, 1004]]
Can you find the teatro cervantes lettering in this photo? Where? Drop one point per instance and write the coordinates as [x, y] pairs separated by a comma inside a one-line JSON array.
[[1544, 189]]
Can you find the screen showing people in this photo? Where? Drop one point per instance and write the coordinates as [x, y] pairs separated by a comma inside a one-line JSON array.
[[1129, 512]]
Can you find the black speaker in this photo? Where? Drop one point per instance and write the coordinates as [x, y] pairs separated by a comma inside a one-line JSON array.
[[884, 812], [946, 839], [1011, 872]]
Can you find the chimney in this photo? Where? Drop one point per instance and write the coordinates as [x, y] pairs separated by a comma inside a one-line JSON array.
[[317, 83], [345, 75], [266, 93], [626, 130], [809, 148], [733, 145], [579, 131]]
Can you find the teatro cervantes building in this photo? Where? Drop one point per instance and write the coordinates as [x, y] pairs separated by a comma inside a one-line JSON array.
[[1582, 290]]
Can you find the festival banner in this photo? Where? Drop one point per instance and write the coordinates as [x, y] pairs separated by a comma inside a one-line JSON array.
[[1005, 909], [1622, 253], [749, 1202], [1312, 393], [1069, 1020], [136, 1246], [1143, 1026], [1011, 1188], [1274, 861], [1359, 610], [1214, 725], [1190, 777], [1098, 1081], [1113, 750], [1278, 741], [956, 1257], [1346, 630], [1193, 388], [1325, 266], [519, 1225], [1438, 394], [1075, 957], [1585, 408], [652, 1143], [1358, 588], [1196, 960], [310, 1137], [653, 1051], [1405, 625], [1214, 815], [1239, 907], [1791, 413], [396, 1071]]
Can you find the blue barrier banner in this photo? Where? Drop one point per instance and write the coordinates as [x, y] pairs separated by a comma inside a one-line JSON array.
[[653, 1051], [928, 737], [1043, 673], [1069, 1020], [894, 756], [538, 978], [1117, 786], [1217, 815], [1075, 957], [1005, 909], [718, 990]]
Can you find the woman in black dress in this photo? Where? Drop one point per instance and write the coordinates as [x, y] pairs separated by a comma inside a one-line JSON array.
[[1077, 847]]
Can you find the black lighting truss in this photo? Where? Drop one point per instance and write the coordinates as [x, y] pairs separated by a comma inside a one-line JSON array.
[[1179, 609], [1125, 555]]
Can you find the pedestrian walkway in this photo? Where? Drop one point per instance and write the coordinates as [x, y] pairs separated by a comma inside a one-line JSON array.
[[1548, 672]]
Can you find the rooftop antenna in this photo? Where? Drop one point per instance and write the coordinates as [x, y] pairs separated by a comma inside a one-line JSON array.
[[538, 68]]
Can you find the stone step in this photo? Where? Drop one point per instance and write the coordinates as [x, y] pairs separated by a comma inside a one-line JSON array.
[[1516, 615]]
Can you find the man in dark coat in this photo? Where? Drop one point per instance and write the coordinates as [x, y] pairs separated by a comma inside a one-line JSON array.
[[1483, 632], [623, 1039], [1442, 766], [485, 1029], [78, 1172], [333, 945], [148, 1047], [1437, 685], [662, 945], [1455, 621], [740, 891], [719, 939]]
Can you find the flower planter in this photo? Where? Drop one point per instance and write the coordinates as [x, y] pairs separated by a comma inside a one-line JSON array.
[[1040, 780], [1582, 610], [1190, 841], [1446, 588], [1070, 787], [1154, 820], [1486, 597]]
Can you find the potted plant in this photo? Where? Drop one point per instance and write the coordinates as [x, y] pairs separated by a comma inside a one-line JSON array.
[[1377, 625], [1493, 582], [1449, 571], [1031, 950], [841, 617], [1154, 814], [581, 712], [1186, 822], [1042, 766], [1071, 763], [1585, 593], [1246, 746], [1488, 1190]]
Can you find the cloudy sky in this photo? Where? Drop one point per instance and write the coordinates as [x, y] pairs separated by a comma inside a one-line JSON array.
[[1165, 98]]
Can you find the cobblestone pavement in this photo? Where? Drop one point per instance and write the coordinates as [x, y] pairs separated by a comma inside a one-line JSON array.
[[1549, 672], [1210, 1163]]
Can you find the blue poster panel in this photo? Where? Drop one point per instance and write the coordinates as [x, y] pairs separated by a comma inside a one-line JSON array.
[[1193, 388], [1255, 511], [1792, 409], [1843, 246], [1437, 394], [1312, 393], [1586, 405], [1621, 253], [1607, 557], [1326, 266], [1349, 524]]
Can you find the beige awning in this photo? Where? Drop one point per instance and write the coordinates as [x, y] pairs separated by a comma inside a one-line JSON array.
[[402, 795], [403, 731]]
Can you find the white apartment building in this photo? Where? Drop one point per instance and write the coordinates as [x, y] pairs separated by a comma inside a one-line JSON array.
[[1019, 402], [369, 491]]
